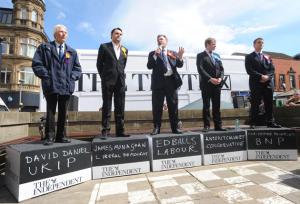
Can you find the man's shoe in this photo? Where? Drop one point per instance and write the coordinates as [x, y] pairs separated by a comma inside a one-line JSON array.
[[220, 129], [62, 140], [274, 125], [205, 129], [155, 131], [176, 131], [48, 141], [122, 135]]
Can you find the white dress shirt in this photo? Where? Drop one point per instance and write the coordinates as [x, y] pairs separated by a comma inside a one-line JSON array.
[[57, 47], [169, 68], [117, 49]]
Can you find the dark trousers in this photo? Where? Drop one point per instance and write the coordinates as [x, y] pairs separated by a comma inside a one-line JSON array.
[[259, 93], [158, 95], [52, 101], [118, 92], [213, 94]]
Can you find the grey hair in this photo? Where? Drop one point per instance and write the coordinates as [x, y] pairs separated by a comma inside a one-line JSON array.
[[56, 27]]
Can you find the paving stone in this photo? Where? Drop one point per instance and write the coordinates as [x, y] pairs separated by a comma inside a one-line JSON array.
[[294, 197], [138, 186], [257, 191], [226, 173], [259, 178], [215, 183], [167, 192], [185, 179]]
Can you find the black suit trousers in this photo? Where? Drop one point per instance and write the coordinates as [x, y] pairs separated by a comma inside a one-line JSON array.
[[118, 92], [158, 95], [52, 101], [211, 93], [259, 93]]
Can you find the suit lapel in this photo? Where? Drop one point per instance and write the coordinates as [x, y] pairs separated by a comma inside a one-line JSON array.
[[112, 51], [54, 50], [210, 60]]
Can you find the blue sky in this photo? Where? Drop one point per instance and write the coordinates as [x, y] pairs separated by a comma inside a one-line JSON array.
[[186, 22]]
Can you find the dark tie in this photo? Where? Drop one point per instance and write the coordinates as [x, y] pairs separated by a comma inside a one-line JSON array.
[[61, 52], [212, 58], [164, 56], [260, 56]]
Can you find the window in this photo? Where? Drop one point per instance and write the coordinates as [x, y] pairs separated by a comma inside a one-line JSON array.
[[28, 47], [23, 13], [282, 84], [7, 46], [5, 75], [292, 81], [34, 16], [27, 75]]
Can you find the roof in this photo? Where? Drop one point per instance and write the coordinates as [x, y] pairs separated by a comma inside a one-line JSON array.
[[276, 55], [6, 15]]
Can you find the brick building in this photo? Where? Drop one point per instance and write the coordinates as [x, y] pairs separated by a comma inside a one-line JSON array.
[[22, 30]]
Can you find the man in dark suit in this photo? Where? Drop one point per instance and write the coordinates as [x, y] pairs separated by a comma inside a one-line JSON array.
[[164, 82], [261, 73], [211, 71], [57, 65], [111, 62]]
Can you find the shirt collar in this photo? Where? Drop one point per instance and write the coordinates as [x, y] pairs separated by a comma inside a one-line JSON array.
[[208, 52], [116, 46], [57, 45]]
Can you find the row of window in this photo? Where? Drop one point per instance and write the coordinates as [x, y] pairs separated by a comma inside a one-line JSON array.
[[26, 74], [282, 81], [28, 46], [24, 15]]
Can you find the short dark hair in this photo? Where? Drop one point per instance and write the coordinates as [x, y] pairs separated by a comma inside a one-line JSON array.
[[257, 39], [161, 35], [113, 30], [208, 41]]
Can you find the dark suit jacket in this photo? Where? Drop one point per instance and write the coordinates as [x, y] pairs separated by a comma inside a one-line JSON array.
[[256, 67], [109, 67], [207, 69], [159, 69], [58, 76]]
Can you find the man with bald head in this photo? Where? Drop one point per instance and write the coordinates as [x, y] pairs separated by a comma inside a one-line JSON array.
[[57, 65]]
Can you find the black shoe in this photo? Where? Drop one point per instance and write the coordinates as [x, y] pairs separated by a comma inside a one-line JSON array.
[[48, 141], [220, 129], [122, 135], [273, 125], [176, 131], [62, 140], [155, 131], [205, 129]]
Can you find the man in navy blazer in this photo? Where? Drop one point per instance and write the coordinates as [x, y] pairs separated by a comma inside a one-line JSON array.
[[57, 65], [165, 82], [261, 82], [111, 63], [211, 71]]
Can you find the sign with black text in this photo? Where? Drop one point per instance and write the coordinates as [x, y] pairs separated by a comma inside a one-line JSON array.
[[120, 156], [172, 151], [223, 147], [272, 144], [34, 169]]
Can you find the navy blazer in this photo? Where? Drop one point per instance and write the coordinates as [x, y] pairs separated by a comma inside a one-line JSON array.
[[207, 69], [58, 76], [256, 67], [159, 69]]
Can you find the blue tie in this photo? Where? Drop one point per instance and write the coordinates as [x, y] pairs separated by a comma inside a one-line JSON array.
[[164, 56], [61, 52], [212, 58]]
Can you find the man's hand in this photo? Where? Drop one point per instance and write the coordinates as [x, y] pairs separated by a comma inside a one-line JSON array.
[[264, 78], [180, 53], [215, 81], [158, 51]]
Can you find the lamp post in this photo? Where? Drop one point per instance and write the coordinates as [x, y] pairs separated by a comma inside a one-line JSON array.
[[21, 81]]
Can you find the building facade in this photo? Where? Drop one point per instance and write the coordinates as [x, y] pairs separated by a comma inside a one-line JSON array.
[[21, 31]]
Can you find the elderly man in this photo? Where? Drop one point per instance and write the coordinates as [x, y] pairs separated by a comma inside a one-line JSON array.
[[57, 65]]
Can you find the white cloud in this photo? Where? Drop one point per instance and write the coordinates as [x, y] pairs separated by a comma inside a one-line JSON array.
[[188, 23], [61, 15], [86, 27]]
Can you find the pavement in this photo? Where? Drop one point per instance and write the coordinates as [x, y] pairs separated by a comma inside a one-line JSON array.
[[240, 182]]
